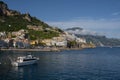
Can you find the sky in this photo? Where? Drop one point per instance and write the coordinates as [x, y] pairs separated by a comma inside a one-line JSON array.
[[100, 16]]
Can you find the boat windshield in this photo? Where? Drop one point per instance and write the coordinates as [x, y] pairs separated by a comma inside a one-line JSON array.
[[29, 56]]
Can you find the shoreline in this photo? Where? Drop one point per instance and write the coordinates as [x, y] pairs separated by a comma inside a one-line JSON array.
[[42, 50], [29, 50]]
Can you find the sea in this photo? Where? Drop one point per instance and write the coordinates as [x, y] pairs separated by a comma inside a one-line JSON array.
[[102, 63]]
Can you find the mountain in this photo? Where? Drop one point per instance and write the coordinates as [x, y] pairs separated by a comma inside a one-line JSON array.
[[12, 20], [98, 40]]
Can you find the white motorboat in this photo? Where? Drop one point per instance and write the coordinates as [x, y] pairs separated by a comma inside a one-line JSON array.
[[26, 60]]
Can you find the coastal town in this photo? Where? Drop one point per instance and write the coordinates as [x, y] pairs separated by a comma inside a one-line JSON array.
[[20, 40]]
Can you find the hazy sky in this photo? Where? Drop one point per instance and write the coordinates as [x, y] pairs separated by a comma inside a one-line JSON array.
[[101, 16]]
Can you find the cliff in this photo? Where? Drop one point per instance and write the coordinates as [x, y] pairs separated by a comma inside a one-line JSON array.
[[5, 11]]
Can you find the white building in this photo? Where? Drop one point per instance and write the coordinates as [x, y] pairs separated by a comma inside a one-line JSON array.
[[80, 40], [70, 37], [59, 44], [2, 34], [6, 40]]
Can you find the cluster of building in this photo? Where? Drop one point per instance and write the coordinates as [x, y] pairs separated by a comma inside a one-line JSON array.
[[20, 39], [17, 39], [62, 40]]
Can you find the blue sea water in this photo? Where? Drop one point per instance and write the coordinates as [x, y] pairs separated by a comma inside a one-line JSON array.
[[87, 64]]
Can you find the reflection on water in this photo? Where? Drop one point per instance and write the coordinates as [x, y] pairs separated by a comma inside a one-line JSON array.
[[88, 64], [21, 72]]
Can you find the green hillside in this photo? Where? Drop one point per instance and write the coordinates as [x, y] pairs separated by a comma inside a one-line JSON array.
[[11, 20]]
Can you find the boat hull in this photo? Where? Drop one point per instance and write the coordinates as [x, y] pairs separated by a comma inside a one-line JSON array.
[[24, 63]]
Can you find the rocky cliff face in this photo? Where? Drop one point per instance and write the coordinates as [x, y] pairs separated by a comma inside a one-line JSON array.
[[27, 17], [3, 8], [5, 11]]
